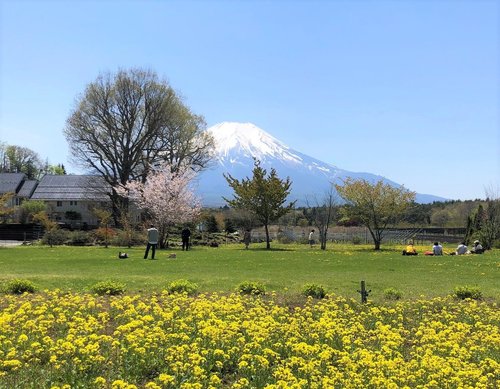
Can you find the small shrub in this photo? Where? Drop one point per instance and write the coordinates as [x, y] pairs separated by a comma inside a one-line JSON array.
[[20, 286], [286, 237], [392, 294], [103, 235], [109, 288], [356, 240], [79, 238], [251, 287], [55, 237], [128, 239], [468, 292], [182, 286], [314, 290]]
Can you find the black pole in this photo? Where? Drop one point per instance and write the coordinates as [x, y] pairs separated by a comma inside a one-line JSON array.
[[364, 293]]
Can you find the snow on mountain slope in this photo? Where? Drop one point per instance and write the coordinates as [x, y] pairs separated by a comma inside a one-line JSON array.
[[248, 140], [236, 146]]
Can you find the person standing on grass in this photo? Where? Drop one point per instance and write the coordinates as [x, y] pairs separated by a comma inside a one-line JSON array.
[[152, 241], [185, 234], [311, 238], [247, 238]]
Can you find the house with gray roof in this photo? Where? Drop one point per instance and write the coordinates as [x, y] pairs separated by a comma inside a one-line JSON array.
[[18, 185], [72, 198]]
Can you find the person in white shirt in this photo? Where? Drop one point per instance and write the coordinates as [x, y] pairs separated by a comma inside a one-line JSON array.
[[152, 242], [311, 238], [461, 249], [437, 249]]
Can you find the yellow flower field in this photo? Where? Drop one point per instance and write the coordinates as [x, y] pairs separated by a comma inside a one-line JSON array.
[[64, 340]]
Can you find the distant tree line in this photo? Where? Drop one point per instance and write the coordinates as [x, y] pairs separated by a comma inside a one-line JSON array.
[[19, 159]]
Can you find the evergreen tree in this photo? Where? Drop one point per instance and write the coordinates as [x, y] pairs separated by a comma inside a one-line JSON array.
[[211, 224], [263, 195]]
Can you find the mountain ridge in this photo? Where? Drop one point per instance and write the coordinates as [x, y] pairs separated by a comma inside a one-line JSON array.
[[236, 146]]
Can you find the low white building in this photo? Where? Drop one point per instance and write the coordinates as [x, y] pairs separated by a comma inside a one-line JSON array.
[[71, 199]]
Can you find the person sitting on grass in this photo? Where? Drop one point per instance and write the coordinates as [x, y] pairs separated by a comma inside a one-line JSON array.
[[437, 249], [477, 249], [462, 249], [410, 250]]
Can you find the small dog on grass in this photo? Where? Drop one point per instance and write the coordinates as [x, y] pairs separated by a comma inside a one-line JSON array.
[[172, 255], [122, 255]]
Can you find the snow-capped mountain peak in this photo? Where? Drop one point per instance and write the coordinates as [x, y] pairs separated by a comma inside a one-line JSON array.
[[236, 139], [237, 144]]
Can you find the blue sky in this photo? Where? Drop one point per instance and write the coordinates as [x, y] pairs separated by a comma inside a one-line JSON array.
[[405, 89]]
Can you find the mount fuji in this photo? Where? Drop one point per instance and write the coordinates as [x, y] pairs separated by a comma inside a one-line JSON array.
[[236, 146]]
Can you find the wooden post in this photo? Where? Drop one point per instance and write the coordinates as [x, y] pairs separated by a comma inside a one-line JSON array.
[[364, 293]]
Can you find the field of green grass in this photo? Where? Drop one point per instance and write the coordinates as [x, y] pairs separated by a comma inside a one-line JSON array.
[[284, 269]]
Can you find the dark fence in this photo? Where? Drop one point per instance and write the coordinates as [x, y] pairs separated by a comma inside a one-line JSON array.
[[362, 235], [21, 232]]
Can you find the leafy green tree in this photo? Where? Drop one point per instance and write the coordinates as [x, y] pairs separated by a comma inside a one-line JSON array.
[[490, 228], [376, 205], [440, 218], [19, 159], [263, 195], [6, 209], [30, 208], [51, 227], [58, 169], [104, 218]]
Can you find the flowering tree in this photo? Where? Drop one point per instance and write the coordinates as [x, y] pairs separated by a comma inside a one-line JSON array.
[[166, 198], [376, 205]]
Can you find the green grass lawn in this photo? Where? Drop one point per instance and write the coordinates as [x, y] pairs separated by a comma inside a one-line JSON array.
[[284, 269]]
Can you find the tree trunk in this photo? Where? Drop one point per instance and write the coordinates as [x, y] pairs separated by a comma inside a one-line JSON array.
[[268, 244], [323, 240], [376, 238]]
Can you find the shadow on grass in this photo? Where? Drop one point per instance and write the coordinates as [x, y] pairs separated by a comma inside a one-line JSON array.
[[271, 249]]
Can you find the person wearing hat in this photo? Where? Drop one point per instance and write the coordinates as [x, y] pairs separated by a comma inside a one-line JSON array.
[[477, 249]]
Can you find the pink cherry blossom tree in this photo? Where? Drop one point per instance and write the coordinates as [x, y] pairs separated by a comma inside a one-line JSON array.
[[166, 198]]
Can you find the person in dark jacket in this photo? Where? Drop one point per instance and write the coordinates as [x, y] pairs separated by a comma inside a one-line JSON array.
[[185, 235]]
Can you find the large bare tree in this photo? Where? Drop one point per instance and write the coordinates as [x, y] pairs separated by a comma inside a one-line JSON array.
[[127, 122], [322, 212]]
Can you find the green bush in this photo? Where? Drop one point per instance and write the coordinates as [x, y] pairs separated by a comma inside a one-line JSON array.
[[468, 292], [392, 294], [182, 286], [128, 239], [19, 286], [251, 287], [55, 237], [286, 237], [356, 240], [314, 290], [79, 238], [103, 235], [109, 288]]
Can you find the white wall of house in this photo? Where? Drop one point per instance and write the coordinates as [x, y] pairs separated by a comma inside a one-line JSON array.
[[58, 211]]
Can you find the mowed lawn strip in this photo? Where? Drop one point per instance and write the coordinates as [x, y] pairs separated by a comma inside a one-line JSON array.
[[284, 269]]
